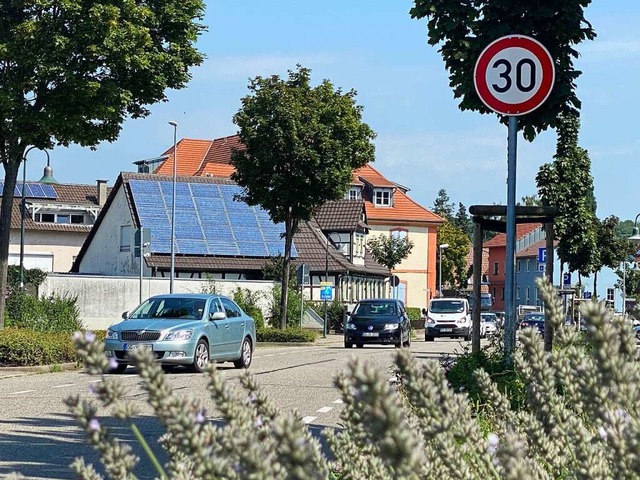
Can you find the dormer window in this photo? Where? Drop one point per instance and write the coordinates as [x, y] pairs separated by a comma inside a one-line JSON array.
[[382, 197], [354, 193]]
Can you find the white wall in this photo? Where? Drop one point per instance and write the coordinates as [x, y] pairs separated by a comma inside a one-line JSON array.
[[103, 257], [102, 299]]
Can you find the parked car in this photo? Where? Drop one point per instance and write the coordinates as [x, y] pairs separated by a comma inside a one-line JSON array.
[[448, 317], [378, 321], [184, 329], [533, 320], [636, 332], [488, 324]]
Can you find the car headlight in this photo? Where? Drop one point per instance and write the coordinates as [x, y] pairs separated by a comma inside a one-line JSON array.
[[462, 320], [351, 326], [179, 335], [431, 321], [391, 326], [111, 334]]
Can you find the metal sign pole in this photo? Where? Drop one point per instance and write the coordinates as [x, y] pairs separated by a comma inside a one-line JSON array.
[[510, 298]]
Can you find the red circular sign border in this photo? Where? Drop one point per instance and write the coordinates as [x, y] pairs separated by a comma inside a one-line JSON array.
[[540, 52]]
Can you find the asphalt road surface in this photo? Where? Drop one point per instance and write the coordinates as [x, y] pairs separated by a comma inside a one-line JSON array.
[[39, 438]]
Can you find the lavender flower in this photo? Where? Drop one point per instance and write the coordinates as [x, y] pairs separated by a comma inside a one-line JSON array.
[[94, 425]]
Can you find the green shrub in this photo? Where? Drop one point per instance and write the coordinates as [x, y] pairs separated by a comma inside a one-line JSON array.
[[293, 307], [335, 314], [288, 335], [414, 313], [21, 347], [248, 302], [49, 314]]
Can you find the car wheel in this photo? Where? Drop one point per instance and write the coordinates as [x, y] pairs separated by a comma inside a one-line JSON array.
[[638, 335], [467, 338], [119, 369], [200, 357], [408, 342], [348, 344], [359, 345], [400, 343], [246, 355], [429, 338]]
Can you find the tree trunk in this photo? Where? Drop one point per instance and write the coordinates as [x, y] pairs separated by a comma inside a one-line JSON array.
[[595, 285], [291, 226], [11, 169]]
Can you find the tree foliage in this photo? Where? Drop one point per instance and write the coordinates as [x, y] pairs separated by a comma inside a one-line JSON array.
[[463, 29], [443, 205], [612, 249], [454, 257], [463, 221], [567, 184], [72, 72], [302, 144], [389, 251]]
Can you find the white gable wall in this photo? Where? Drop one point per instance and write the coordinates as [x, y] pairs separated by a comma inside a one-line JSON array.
[[103, 257]]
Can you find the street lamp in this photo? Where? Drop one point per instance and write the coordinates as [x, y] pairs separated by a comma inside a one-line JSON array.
[[635, 233], [635, 238], [23, 203], [173, 207], [442, 247]]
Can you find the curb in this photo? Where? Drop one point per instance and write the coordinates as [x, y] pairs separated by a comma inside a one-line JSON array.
[[8, 372]]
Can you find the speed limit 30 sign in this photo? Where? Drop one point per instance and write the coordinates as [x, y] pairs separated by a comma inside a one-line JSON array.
[[514, 75]]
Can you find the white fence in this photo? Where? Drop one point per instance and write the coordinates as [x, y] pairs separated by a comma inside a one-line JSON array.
[[102, 300]]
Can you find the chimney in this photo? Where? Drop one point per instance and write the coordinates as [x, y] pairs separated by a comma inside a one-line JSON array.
[[102, 192]]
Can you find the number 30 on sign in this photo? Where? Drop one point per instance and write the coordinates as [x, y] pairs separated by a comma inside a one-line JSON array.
[[514, 75]]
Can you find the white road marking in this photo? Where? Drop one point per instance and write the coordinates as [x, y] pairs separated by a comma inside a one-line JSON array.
[[64, 385], [324, 409], [338, 401], [23, 391], [95, 381], [308, 419]]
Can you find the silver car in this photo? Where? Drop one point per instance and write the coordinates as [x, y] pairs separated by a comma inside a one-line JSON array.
[[184, 329]]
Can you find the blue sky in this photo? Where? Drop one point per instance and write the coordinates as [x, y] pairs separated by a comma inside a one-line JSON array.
[[424, 141]]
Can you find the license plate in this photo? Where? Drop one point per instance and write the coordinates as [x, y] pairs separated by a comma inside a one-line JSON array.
[[370, 334], [446, 330], [138, 346]]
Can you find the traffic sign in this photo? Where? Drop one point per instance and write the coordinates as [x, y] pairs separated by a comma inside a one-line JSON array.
[[541, 267], [326, 291], [514, 75], [566, 278], [586, 295], [542, 255]]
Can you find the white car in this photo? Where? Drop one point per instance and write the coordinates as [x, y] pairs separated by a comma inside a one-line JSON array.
[[488, 324]]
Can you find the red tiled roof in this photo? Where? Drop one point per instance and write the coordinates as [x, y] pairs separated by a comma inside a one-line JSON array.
[[191, 154], [371, 176], [532, 250], [221, 149], [522, 229]]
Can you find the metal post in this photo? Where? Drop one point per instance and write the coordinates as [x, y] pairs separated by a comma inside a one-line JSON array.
[[510, 300], [624, 288], [440, 272], [326, 279], [141, 261], [548, 330], [173, 207], [477, 280], [23, 209]]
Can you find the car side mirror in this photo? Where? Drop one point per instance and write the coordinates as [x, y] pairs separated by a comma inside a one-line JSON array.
[[217, 316], [125, 315]]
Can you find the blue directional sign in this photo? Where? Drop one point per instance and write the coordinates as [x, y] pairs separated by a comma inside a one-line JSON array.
[[326, 291], [542, 255], [586, 295], [566, 278]]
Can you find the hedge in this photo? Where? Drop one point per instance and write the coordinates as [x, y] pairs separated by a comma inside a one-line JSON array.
[[21, 347], [290, 335]]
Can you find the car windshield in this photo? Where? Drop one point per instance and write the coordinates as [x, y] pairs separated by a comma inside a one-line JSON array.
[[375, 308], [446, 306], [489, 318], [533, 318], [170, 308]]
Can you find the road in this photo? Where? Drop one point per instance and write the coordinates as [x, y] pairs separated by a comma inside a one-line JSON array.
[[40, 439]]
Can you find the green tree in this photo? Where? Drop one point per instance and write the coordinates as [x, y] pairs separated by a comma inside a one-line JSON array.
[[389, 251], [567, 184], [612, 249], [302, 144], [462, 29], [72, 72], [454, 257], [530, 201], [443, 205], [463, 221], [625, 228]]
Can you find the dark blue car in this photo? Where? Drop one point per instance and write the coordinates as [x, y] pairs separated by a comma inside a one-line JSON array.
[[378, 321]]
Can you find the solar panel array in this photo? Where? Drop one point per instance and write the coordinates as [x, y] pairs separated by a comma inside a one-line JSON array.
[[208, 221], [33, 190]]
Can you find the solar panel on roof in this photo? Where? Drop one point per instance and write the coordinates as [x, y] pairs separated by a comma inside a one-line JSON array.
[[33, 190], [208, 220]]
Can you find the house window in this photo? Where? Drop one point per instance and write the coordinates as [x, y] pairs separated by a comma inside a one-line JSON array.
[[502, 294], [399, 233], [495, 268], [125, 238], [517, 293], [494, 292], [526, 294], [519, 266], [62, 218], [382, 197], [528, 265], [354, 193]]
